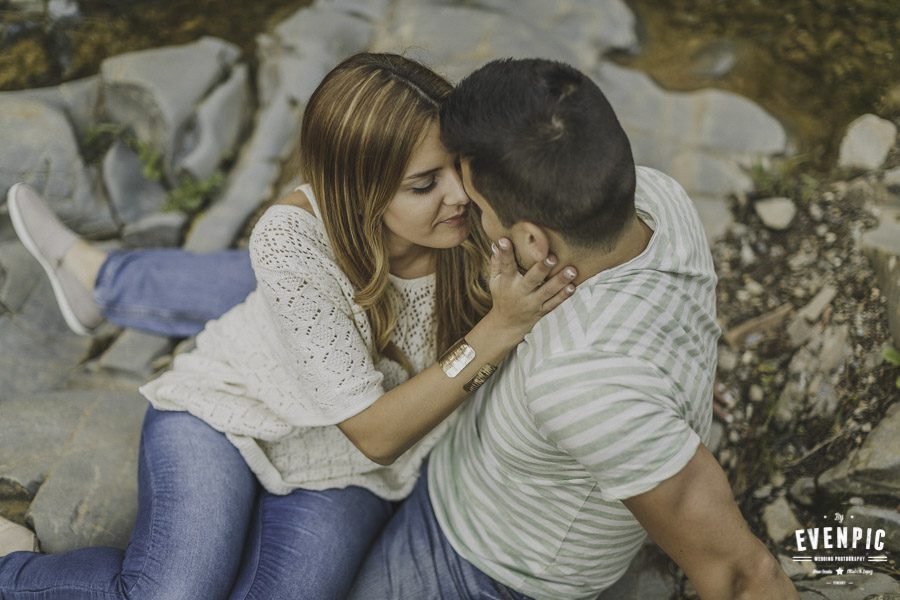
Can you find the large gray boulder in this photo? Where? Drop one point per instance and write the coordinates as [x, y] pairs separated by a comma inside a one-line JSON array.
[[89, 497], [454, 40], [131, 194], [874, 467], [156, 91], [220, 120], [39, 147], [707, 140], [882, 246]]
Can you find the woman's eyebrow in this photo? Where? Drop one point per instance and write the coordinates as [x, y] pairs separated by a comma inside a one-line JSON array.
[[421, 174]]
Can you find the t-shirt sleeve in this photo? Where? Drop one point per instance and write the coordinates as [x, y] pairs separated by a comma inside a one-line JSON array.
[[323, 350], [615, 416]]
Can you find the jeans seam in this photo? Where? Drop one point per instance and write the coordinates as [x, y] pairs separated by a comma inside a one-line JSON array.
[[260, 501], [151, 534]]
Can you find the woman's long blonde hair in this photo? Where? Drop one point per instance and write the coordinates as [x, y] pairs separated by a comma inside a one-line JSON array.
[[359, 131]]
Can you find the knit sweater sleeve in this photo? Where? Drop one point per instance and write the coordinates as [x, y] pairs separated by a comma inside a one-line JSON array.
[[317, 340]]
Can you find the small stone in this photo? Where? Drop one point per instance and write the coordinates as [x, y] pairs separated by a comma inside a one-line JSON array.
[[728, 359], [778, 479], [747, 255], [802, 490], [716, 434], [834, 348], [867, 142], [753, 287], [734, 437], [780, 520], [815, 212], [799, 331], [813, 309], [776, 213], [892, 179], [856, 501], [756, 393], [763, 492]]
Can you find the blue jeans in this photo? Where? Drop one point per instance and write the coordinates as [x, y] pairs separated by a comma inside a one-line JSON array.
[[169, 291], [205, 530], [412, 560]]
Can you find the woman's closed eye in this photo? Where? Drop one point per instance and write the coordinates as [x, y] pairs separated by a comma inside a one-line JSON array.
[[424, 189]]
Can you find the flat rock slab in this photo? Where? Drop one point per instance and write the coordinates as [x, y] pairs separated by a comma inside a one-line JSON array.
[[90, 495], [874, 467]]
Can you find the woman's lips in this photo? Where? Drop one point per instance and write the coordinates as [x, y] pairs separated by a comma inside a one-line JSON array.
[[455, 221]]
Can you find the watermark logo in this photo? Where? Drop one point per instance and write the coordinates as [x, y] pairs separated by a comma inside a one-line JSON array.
[[841, 549]]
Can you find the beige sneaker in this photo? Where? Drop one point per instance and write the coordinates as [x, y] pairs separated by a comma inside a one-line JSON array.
[[15, 538], [45, 236]]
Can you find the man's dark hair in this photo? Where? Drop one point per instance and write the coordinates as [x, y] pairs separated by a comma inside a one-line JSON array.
[[544, 146]]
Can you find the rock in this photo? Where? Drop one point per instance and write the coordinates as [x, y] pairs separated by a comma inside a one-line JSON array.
[[703, 139], [372, 10], [799, 331], [249, 186], [855, 586], [648, 576], [715, 59], [133, 353], [795, 569], [32, 442], [716, 435], [58, 10], [728, 359], [834, 348], [159, 230], [878, 518], [77, 99], [756, 393], [715, 216], [302, 33], [156, 91], [455, 40], [220, 120], [867, 142], [132, 195], [892, 179], [882, 246], [39, 147], [813, 309], [802, 490], [776, 213], [90, 495], [874, 467], [780, 520], [823, 398], [289, 79], [590, 27], [21, 275]]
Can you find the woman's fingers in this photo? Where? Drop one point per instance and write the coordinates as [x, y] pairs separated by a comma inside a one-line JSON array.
[[538, 272], [558, 298], [558, 283], [503, 260]]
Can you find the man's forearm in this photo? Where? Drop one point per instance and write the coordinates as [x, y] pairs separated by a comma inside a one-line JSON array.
[[764, 580]]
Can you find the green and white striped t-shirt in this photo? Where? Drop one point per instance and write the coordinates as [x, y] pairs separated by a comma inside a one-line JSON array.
[[607, 397]]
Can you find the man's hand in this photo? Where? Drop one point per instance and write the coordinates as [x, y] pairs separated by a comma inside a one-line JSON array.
[[692, 516]]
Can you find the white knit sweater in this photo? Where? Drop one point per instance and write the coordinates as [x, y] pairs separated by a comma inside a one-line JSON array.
[[278, 371]]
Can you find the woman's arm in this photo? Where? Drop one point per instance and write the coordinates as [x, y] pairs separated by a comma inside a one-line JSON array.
[[405, 414]]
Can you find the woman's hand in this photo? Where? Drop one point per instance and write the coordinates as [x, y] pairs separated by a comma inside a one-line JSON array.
[[519, 301]]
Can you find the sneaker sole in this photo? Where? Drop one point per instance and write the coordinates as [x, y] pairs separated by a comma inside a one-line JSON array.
[[19, 225]]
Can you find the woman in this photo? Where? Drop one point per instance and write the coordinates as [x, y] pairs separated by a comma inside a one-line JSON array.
[[318, 386]]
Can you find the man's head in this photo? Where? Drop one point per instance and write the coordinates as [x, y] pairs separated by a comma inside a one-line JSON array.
[[541, 145]]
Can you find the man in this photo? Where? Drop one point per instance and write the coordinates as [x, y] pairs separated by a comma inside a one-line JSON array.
[[591, 433]]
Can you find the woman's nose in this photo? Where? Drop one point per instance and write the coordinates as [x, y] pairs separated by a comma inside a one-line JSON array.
[[456, 193]]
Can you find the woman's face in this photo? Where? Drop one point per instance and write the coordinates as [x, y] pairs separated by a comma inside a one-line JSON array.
[[430, 209]]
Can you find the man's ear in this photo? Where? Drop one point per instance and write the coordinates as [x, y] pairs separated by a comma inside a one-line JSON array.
[[531, 241]]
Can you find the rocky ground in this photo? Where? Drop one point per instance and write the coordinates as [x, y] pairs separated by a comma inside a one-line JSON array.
[[182, 145]]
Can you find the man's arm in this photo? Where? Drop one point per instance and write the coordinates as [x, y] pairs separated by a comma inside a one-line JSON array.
[[692, 516]]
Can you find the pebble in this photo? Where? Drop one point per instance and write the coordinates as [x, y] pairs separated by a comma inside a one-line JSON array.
[[776, 213], [778, 479], [815, 212], [763, 492], [802, 490], [756, 393]]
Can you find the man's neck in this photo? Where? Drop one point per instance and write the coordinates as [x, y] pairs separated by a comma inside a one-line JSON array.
[[631, 243]]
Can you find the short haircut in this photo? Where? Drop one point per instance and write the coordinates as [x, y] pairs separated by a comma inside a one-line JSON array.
[[544, 146]]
